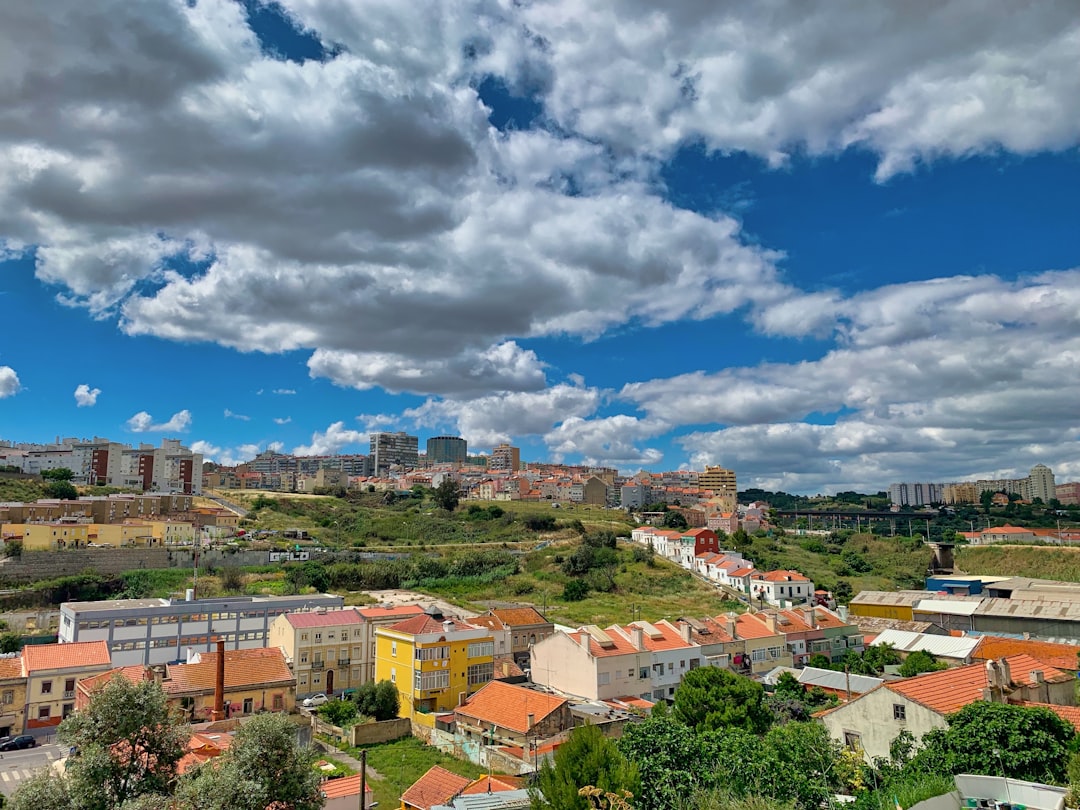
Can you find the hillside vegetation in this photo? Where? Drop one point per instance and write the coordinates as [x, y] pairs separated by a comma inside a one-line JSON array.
[[1043, 562]]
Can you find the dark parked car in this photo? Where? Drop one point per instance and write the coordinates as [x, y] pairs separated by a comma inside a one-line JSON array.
[[16, 743]]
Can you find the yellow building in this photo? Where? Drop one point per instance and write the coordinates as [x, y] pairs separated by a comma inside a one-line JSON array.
[[722, 484], [12, 697], [171, 532], [886, 604], [47, 536], [435, 662], [118, 535]]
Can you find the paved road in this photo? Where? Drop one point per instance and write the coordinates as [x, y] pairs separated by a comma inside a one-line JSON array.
[[17, 766], [232, 507]]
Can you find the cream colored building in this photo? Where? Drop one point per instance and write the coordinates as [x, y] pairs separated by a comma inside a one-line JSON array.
[[723, 485], [332, 651], [52, 672]]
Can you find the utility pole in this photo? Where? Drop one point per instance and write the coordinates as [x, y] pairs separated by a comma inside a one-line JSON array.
[[363, 779]]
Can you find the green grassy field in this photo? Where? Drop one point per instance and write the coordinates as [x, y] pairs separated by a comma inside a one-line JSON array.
[[402, 762], [1044, 562]]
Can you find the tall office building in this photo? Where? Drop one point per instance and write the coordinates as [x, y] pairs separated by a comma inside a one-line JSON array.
[[505, 457], [447, 450], [393, 450]]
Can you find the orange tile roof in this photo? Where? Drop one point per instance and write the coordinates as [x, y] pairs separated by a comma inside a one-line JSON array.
[[950, 690], [1070, 714], [750, 626], [203, 746], [343, 787], [136, 673], [671, 638], [1061, 656], [419, 625], [784, 576], [60, 656], [243, 668], [11, 668], [630, 700], [374, 613], [329, 618], [490, 622], [437, 786], [509, 706], [619, 646], [495, 784], [516, 617]]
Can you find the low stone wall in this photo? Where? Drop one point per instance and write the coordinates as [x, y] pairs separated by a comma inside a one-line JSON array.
[[363, 733], [31, 566]]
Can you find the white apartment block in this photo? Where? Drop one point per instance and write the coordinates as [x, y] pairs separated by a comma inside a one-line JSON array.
[[161, 631]]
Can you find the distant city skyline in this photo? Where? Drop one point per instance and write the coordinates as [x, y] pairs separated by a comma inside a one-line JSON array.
[[829, 246]]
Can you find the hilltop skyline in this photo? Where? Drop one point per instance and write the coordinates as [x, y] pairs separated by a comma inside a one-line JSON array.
[[829, 247]]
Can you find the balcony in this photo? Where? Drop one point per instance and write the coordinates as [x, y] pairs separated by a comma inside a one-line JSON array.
[[343, 662], [68, 695], [318, 664]]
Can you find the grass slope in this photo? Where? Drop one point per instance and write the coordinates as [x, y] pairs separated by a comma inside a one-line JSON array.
[[402, 762], [1042, 562]]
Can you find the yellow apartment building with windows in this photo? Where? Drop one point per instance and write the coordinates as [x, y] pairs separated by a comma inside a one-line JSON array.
[[435, 662], [12, 697], [47, 536]]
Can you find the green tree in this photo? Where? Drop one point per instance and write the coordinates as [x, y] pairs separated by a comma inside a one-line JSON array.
[[919, 662], [999, 739], [712, 698], [45, 790], [59, 474], [575, 590], [447, 494], [669, 758], [843, 592], [264, 767], [64, 490], [129, 743], [586, 758], [338, 712], [10, 642], [675, 519]]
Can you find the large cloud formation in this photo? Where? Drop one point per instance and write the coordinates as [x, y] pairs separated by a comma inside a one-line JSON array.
[[181, 180]]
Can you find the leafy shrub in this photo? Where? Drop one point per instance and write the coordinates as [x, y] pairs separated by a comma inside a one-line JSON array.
[[575, 590]]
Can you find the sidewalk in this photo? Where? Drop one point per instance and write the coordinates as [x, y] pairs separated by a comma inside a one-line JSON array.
[[347, 760]]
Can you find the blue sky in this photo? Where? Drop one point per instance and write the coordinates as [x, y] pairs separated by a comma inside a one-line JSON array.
[[829, 246]]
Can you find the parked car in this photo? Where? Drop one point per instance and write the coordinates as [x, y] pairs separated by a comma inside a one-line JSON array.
[[315, 700], [17, 743]]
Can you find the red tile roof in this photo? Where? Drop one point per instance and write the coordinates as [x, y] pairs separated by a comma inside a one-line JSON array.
[[243, 668], [376, 613], [1061, 656], [74, 655], [345, 786], [950, 690], [509, 706], [516, 617], [135, 673], [203, 746], [1070, 714], [668, 638], [419, 625], [437, 786], [329, 618], [618, 646], [750, 626], [11, 668], [784, 576], [495, 784]]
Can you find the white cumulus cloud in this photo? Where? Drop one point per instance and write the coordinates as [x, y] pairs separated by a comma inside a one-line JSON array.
[[9, 382], [85, 396], [143, 422]]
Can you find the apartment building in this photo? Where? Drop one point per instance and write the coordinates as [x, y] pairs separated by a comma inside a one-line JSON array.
[[447, 450], [332, 651], [505, 457], [390, 450], [723, 485], [779, 588], [159, 631], [515, 630], [12, 695], [435, 662]]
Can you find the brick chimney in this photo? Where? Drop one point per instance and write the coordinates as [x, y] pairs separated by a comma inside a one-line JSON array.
[[219, 682]]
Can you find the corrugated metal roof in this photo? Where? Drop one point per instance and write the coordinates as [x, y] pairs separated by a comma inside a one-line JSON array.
[[942, 646], [948, 607]]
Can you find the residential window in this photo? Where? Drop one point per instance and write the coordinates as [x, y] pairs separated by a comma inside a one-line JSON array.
[[431, 680], [481, 649], [279, 703], [758, 654], [432, 653], [774, 652], [44, 712], [69, 685], [7, 697], [46, 687], [303, 657], [393, 648], [643, 673], [603, 678], [393, 676], [316, 678], [68, 710], [318, 637], [249, 705], [682, 664], [853, 740], [330, 636], [303, 680], [670, 667], [303, 636], [480, 673], [899, 711]]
